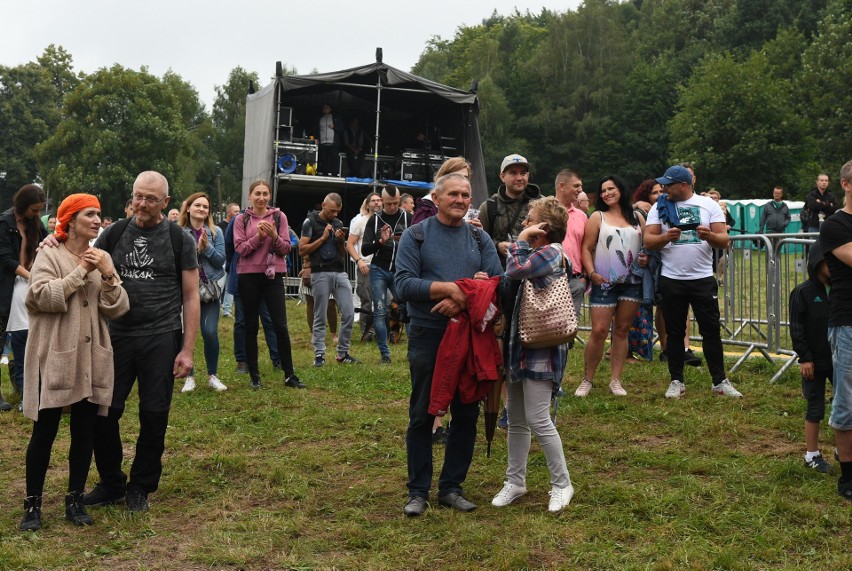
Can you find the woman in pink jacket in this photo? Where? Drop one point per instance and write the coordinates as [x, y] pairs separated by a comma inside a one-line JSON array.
[[262, 240]]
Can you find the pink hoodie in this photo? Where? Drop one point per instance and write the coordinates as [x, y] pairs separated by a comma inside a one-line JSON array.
[[253, 250]]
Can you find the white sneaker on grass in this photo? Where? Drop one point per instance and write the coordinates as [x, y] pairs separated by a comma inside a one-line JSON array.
[[675, 390], [216, 384], [560, 498], [726, 389], [188, 385], [584, 389], [507, 495], [616, 388]]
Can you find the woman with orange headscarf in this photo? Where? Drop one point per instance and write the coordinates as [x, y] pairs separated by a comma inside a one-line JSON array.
[[73, 291]]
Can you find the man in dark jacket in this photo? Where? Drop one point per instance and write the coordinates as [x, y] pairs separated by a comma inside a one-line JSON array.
[[775, 215], [820, 203], [809, 311], [502, 215]]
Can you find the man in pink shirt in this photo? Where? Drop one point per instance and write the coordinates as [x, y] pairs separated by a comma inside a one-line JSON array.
[[568, 185]]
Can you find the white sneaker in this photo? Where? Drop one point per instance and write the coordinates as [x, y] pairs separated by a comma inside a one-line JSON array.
[[616, 388], [4, 360], [676, 389], [216, 384], [726, 389], [507, 495], [584, 389], [560, 498], [188, 385]]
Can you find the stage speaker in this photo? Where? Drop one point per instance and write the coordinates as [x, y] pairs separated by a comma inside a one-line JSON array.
[[287, 163]]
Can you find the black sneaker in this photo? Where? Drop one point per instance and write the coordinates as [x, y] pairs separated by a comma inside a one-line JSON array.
[[32, 514], [347, 359], [276, 365], [74, 510], [319, 360], [845, 489], [137, 501], [294, 382], [242, 368], [4, 406], [819, 464], [663, 357], [254, 383], [691, 359], [102, 496], [386, 359]]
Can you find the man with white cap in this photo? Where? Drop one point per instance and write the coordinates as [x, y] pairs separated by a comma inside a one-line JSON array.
[[685, 227]]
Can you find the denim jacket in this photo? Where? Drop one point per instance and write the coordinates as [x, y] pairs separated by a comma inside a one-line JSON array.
[[212, 259]]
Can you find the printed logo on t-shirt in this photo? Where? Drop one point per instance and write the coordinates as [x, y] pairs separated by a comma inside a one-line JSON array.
[[689, 215], [139, 261]]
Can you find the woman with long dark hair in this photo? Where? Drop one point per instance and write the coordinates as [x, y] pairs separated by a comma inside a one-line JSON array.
[[21, 231], [262, 239], [74, 291], [196, 220], [611, 243]]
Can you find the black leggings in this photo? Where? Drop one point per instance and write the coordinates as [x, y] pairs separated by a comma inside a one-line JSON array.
[[252, 288], [45, 428]]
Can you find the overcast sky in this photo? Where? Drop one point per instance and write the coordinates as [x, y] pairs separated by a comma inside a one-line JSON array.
[[203, 41]]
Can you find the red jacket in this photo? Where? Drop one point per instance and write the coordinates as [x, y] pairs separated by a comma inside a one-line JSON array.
[[468, 357]]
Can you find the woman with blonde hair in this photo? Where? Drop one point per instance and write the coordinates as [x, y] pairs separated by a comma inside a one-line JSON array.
[[74, 291], [536, 373], [197, 221]]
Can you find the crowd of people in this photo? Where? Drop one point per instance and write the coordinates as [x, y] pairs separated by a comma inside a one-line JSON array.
[[94, 308]]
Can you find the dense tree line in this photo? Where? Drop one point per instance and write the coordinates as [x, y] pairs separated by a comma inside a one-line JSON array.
[[753, 92]]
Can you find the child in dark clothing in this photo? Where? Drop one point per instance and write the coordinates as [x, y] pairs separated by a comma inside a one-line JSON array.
[[809, 311]]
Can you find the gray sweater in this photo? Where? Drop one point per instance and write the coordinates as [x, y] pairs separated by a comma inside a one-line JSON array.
[[447, 254]]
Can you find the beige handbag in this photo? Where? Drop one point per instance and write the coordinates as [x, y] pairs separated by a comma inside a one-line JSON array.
[[546, 317]]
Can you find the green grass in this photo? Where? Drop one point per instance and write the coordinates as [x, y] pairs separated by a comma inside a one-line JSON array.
[[315, 479]]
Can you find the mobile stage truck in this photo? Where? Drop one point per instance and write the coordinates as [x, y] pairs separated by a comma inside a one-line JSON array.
[[412, 125]]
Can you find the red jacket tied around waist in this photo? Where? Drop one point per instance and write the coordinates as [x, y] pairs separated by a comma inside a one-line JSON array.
[[468, 357]]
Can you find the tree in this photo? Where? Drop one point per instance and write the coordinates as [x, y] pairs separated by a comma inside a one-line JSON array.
[[118, 123], [739, 125], [30, 102], [229, 123]]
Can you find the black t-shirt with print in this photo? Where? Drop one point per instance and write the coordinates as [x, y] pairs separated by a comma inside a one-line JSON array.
[[833, 233], [144, 259]]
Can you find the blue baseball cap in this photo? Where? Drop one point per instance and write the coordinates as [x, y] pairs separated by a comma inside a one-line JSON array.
[[675, 174]]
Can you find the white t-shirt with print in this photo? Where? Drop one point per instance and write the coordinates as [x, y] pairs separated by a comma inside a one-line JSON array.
[[356, 228], [689, 258]]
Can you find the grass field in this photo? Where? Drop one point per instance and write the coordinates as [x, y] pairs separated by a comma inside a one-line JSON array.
[[315, 479]]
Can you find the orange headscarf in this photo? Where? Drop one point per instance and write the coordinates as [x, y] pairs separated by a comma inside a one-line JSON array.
[[72, 204]]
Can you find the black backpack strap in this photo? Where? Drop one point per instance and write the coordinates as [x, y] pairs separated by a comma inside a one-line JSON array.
[[113, 233], [177, 247]]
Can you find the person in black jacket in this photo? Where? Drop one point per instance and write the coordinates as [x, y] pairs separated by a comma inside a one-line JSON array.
[[809, 311], [21, 231], [820, 203]]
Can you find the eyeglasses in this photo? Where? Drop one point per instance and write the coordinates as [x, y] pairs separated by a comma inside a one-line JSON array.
[[149, 200]]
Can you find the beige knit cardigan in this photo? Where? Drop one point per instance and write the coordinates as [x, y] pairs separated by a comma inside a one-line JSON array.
[[69, 353]]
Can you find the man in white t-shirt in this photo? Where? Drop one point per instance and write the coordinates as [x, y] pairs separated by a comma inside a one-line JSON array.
[[685, 227], [371, 205]]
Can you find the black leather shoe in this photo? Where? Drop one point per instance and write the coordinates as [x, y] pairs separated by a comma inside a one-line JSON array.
[[294, 382], [415, 506], [456, 501], [74, 510]]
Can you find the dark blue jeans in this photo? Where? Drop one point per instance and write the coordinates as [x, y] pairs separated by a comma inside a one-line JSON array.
[[240, 332], [380, 281], [422, 352]]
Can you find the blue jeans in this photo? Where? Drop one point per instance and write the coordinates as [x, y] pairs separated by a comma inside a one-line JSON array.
[[422, 352], [240, 332], [19, 345], [380, 281], [210, 335], [324, 284], [840, 339]]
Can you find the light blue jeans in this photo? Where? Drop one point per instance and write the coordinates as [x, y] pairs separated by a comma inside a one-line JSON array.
[[840, 339], [323, 284], [380, 281]]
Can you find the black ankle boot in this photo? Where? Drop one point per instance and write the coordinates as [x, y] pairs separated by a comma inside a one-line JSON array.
[[74, 510], [32, 514]]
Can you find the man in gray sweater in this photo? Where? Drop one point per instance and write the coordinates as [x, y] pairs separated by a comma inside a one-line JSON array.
[[431, 257]]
